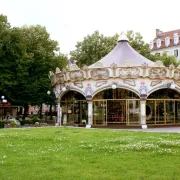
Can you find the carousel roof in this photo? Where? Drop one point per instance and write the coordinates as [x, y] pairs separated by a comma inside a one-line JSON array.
[[123, 53]]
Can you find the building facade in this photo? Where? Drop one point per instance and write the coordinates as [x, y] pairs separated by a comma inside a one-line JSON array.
[[168, 42], [121, 89]]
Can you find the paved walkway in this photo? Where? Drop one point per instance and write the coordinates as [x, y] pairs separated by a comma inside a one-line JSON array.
[[162, 129]]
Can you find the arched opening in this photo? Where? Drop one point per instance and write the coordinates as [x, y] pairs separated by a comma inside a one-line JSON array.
[[163, 107], [116, 106], [74, 108]]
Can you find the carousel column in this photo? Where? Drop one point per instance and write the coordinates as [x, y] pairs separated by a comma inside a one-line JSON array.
[[143, 114], [59, 114], [90, 112]]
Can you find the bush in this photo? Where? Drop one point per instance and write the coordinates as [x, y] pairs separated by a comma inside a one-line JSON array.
[[12, 124], [36, 124], [2, 123], [25, 122], [35, 119]]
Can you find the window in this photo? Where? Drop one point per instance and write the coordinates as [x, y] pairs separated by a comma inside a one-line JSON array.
[[176, 52], [167, 52], [176, 38], [151, 45], [167, 41], [158, 43]]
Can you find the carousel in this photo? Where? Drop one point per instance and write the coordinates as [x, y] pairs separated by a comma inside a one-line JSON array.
[[121, 89]]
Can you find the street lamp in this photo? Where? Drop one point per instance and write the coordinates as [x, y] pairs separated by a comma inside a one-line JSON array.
[[58, 109], [48, 92], [3, 99]]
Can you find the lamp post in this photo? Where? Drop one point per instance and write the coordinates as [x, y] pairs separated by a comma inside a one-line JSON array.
[[3, 100], [58, 109]]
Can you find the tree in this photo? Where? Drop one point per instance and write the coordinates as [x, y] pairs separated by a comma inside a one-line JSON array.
[[93, 48], [96, 46], [136, 41], [167, 59], [27, 55]]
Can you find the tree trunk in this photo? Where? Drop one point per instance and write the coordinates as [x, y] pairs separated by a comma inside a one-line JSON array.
[[51, 111], [26, 109], [40, 112]]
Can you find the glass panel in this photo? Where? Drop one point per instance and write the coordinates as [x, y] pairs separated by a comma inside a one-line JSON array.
[[99, 113], [170, 111], [164, 94], [84, 112], [72, 95], [160, 119], [64, 112], [177, 111], [150, 112], [70, 112], [116, 111], [76, 112], [134, 112], [116, 94]]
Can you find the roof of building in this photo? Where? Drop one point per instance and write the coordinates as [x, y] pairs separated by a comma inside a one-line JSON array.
[[123, 53], [162, 36]]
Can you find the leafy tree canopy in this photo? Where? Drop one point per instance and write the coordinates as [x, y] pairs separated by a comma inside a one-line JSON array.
[[27, 55], [95, 46]]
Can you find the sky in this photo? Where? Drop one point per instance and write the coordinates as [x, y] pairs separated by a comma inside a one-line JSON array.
[[69, 21]]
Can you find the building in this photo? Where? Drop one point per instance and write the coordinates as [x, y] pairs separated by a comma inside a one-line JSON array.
[[121, 89], [166, 42], [8, 108]]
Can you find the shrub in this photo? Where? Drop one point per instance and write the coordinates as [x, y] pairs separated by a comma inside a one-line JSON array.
[[25, 122], [12, 124], [36, 124], [35, 119], [2, 123]]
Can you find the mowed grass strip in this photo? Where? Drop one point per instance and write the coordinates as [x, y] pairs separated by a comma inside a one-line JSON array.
[[78, 153]]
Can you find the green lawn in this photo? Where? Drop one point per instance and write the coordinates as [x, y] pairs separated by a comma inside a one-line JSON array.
[[78, 153]]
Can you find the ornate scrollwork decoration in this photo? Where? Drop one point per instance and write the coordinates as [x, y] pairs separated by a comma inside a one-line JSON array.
[[154, 83], [78, 84], [74, 67], [98, 65], [85, 68], [157, 73], [76, 75], [114, 67], [158, 63], [171, 67], [128, 63], [98, 74], [60, 78], [53, 79], [129, 82], [144, 66], [100, 83], [177, 74], [58, 70], [129, 72]]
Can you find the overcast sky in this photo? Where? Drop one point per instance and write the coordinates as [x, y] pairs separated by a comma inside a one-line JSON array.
[[68, 21]]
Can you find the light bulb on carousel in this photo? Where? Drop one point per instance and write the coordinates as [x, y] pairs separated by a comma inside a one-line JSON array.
[[114, 86]]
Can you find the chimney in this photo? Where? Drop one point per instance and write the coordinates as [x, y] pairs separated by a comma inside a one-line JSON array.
[[158, 32]]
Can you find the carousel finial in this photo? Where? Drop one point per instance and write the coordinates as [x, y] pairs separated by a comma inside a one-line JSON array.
[[122, 37]]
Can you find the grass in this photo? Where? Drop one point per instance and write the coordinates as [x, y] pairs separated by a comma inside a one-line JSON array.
[[87, 154]]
